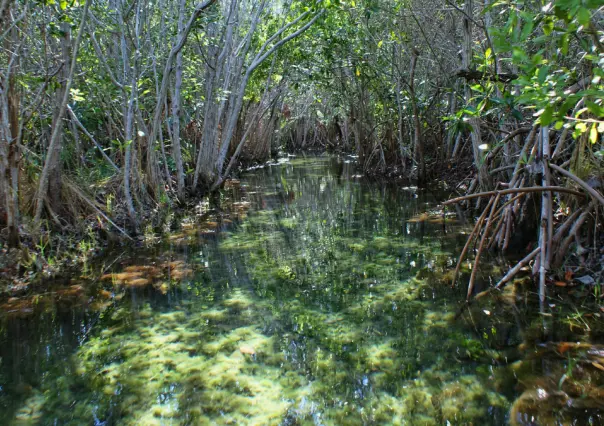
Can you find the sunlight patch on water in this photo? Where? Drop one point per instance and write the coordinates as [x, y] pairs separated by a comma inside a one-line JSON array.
[[322, 300]]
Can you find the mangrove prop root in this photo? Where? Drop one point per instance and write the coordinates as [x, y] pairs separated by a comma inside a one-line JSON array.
[[595, 194], [496, 231], [566, 225], [514, 191], [512, 272], [545, 232], [470, 239], [563, 248], [481, 245]]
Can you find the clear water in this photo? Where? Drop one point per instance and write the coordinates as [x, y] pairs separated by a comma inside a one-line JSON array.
[[313, 297]]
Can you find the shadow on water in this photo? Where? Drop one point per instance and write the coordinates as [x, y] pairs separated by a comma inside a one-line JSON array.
[[312, 297]]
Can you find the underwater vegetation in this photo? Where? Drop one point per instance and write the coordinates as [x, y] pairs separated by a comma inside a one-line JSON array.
[[326, 304]]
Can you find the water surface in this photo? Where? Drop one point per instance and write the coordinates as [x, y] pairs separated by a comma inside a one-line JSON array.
[[313, 297]]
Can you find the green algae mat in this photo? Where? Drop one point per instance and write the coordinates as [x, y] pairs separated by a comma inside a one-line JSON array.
[[310, 296]]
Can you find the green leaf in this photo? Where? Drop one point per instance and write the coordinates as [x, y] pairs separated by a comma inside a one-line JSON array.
[[595, 109], [583, 16], [548, 25], [517, 114], [545, 117], [563, 43], [526, 30], [542, 74], [380, 43], [519, 55]]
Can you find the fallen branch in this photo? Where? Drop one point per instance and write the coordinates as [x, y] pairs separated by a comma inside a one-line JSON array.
[[567, 223]]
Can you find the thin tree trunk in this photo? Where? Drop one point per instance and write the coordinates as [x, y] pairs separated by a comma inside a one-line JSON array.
[[54, 139], [154, 128], [226, 66], [260, 57], [418, 147], [483, 175], [130, 74], [9, 134], [176, 112], [56, 165]]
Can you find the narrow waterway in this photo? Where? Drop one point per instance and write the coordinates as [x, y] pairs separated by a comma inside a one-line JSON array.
[[312, 297]]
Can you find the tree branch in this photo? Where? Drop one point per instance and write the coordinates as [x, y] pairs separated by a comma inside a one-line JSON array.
[[83, 129], [474, 75], [595, 194]]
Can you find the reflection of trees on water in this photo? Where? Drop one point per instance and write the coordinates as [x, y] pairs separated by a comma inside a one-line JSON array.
[[328, 299]]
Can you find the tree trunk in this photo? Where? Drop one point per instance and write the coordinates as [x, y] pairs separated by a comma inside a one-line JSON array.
[[483, 175], [56, 165], [9, 131], [176, 112], [55, 142], [129, 75], [418, 146], [259, 59]]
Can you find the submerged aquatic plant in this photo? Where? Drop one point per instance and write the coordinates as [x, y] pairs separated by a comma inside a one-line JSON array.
[[318, 310]]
